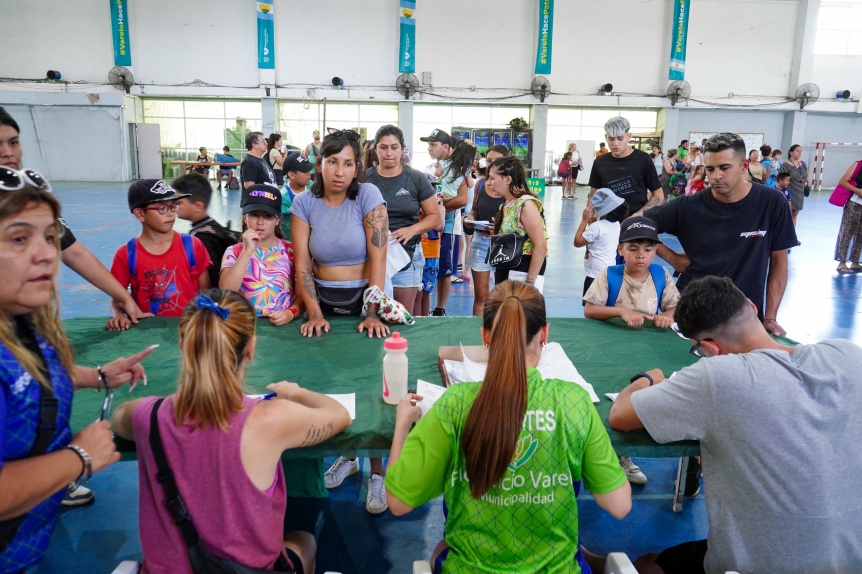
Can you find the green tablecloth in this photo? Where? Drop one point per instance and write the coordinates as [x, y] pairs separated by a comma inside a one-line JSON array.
[[344, 361]]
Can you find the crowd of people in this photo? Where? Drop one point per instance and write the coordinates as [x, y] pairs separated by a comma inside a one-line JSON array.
[[307, 254]]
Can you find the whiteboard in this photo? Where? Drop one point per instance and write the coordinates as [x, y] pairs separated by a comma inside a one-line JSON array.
[[752, 140]]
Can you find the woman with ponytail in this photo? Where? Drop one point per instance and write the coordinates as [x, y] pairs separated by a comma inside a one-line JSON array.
[[507, 453], [224, 447]]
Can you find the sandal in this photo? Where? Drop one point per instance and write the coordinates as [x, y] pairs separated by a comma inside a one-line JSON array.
[[847, 270]]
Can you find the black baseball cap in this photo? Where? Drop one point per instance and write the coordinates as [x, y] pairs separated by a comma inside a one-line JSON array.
[[635, 228], [261, 197], [297, 162], [146, 191], [438, 136]]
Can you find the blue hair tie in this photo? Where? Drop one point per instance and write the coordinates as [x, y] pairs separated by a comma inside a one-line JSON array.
[[204, 302]]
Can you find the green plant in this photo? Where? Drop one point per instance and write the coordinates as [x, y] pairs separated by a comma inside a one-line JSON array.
[[518, 124]]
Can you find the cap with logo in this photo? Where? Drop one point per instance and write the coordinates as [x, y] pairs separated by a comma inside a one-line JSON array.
[[438, 136], [297, 162], [605, 201], [635, 228], [261, 197], [146, 191]]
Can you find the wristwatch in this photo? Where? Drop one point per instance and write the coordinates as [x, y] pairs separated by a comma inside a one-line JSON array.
[[643, 375]]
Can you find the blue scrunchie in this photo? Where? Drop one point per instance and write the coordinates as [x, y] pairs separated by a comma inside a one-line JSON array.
[[204, 302]]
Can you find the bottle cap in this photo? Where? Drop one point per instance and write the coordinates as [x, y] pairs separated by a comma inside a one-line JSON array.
[[395, 342]]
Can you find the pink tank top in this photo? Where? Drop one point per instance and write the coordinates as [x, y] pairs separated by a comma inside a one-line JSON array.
[[234, 519]]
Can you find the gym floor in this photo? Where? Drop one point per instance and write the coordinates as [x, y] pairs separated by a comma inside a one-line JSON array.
[[818, 304]]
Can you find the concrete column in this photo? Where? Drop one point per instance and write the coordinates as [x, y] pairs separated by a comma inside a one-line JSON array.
[[794, 130], [670, 136], [802, 66], [539, 122], [405, 122], [268, 114]]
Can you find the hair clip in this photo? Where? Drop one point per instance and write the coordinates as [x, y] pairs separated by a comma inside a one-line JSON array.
[[204, 302]]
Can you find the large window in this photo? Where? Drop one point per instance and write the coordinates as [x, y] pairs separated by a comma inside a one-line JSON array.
[[567, 124], [298, 120], [839, 28]]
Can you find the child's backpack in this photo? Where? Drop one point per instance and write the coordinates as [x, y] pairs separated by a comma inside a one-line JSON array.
[[615, 283], [132, 252]]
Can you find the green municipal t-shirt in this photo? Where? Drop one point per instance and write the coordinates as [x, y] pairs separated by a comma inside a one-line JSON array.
[[528, 521]]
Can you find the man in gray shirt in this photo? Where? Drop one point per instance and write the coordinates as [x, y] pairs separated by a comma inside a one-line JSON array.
[[754, 404]]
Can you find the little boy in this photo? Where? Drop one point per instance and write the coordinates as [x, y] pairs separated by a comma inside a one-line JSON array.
[[605, 210], [782, 181], [215, 237], [431, 251], [297, 171], [637, 289], [165, 269]]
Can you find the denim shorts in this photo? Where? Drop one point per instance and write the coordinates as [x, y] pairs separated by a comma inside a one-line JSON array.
[[478, 256], [412, 276]]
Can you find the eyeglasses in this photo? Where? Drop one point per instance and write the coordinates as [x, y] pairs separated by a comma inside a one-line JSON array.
[[696, 348], [13, 179], [260, 142], [163, 208], [107, 405], [342, 134]]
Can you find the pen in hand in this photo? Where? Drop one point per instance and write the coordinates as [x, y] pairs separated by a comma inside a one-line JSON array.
[[268, 396]]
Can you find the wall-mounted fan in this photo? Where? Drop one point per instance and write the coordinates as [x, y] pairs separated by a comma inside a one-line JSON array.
[[407, 85], [678, 90], [121, 78], [807, 94], [540, 87]]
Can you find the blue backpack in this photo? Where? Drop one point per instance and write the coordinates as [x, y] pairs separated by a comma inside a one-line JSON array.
[[132, 251], [615, 283]]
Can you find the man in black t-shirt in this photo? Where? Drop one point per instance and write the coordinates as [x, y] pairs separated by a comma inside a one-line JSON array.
[[629, 173], [734, 228], [254, 169]]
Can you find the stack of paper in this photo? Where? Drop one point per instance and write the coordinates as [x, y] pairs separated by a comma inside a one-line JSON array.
[[554, 364]]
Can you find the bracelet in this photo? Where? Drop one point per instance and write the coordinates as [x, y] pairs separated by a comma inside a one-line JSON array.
[[103, 378], [642, 375], [529, 281], [86, 461], [295, 311]]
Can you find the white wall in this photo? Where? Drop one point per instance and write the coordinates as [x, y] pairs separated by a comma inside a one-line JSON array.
[[771, 124], [834, 73]]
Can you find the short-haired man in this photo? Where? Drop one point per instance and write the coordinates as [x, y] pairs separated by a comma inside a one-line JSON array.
[[454, 190], [734, 228], [753, 402], [254, 168], [602, 149], [312, 151], [225, 170], [629, 173]]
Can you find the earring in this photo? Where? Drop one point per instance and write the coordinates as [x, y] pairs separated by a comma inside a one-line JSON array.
[[544, 343]]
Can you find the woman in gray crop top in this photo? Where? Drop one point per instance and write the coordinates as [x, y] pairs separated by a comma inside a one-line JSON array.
[[339, 232]]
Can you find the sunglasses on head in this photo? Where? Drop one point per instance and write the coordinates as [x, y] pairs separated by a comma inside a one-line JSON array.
[[13, 179], [342, 134]]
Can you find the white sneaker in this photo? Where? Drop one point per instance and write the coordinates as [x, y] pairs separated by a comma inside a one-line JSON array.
[[375, 502], [78, 495], [633, 471], [340, 469]]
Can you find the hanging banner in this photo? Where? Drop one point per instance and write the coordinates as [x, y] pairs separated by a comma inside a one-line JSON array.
[[678, 40], [265, 36], [546, 36], [407, 47], [120, 26]]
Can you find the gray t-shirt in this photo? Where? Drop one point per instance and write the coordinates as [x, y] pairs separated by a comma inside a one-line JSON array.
[[781, 442], [403, 194], [337, 233]]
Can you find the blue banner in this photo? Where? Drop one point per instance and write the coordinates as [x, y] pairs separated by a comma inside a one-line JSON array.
[[679, 37], [265, 36], [120, 26], [546, 36], [407, 47]]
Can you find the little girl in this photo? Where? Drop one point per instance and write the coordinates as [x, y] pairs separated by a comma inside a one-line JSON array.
[[697, 181], [601, 237], [262, 266], [565, 172]]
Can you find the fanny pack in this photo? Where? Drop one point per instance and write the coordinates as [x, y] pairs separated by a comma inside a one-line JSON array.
[[345, 301]]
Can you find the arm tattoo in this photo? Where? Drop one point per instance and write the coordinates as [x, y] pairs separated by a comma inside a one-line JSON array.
[[653, 202], [317, 435], [308, 285], [378, 221]]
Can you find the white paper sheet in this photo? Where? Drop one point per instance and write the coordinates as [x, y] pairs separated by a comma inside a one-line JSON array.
[[475, 370], [348, 401], [429, 393], [396, 257], [612, 396], [480, 224], [522, 275]]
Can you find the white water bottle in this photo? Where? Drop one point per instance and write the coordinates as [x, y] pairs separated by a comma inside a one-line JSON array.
[[394, 369]]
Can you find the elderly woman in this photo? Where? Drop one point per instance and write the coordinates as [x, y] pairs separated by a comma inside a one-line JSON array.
[[38, 376], [798, 179]]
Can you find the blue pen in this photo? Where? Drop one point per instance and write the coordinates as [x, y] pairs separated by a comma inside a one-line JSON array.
[[268, 396]]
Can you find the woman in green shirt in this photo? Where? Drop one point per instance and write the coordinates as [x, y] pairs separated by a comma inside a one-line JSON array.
[[507, 454]]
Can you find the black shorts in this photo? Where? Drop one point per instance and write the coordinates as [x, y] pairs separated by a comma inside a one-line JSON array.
[[295, 561], [685, 558]]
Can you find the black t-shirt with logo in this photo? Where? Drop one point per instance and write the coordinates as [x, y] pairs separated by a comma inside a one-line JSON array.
[[257, 170], [632, 177], [403, 194], [729, 239]]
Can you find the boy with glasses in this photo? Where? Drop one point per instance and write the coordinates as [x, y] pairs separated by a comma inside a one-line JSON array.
[[165, 269]]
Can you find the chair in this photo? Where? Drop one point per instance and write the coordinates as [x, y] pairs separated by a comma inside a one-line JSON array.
[[127, 567], [617, 563]]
